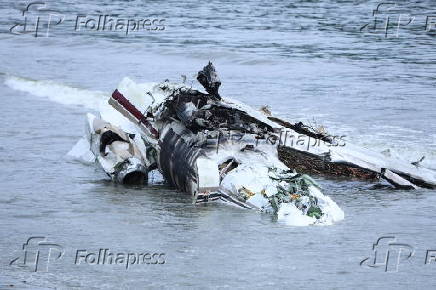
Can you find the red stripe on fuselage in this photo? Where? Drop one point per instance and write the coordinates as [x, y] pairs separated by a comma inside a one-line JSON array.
[[134, 111]]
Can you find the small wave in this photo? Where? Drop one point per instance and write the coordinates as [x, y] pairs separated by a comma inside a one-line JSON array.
[[57, 92]]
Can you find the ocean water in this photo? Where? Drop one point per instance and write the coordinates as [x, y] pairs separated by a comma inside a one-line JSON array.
[[307, 60]]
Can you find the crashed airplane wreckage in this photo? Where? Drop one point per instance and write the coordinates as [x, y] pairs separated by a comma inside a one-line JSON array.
[[215, 148]]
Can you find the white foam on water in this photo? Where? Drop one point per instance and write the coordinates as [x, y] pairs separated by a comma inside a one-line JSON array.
[[89, 99], [58, 92]]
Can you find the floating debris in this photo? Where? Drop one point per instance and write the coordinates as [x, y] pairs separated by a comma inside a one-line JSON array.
[[216, 148]]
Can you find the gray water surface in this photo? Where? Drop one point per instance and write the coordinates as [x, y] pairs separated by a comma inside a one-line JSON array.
[[307, 60]]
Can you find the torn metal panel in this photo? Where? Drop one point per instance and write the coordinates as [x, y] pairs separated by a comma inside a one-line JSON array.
[[116, 152], [209, 79], [177, 161], [397, 180]]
